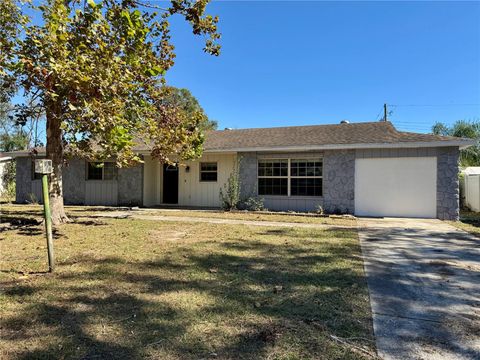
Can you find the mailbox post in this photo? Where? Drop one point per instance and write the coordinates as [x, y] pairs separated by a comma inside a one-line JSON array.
[[44, 167]]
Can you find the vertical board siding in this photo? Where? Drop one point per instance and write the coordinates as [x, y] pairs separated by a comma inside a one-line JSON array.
[[284, 203], [37, 191], [193, 192], [472, 192], [101, 192], [151, 182]]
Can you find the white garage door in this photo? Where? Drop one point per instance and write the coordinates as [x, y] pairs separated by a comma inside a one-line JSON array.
[[405, 187]]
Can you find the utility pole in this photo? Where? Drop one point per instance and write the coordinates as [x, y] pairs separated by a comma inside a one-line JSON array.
[[44, 167], [385, 112]]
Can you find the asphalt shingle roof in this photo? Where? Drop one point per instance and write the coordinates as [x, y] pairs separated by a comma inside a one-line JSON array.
[[315, 135], [304, 136]]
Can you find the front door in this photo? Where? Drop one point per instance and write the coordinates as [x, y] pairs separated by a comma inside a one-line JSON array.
[[170, 184]]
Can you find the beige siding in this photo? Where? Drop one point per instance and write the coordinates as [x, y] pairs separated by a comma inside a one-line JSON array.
[[191, 191], [152, 182]]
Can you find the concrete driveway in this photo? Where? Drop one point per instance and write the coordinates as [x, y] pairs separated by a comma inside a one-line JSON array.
[[424, 283]]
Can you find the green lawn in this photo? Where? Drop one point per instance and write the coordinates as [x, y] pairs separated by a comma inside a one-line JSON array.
[[132, 289]]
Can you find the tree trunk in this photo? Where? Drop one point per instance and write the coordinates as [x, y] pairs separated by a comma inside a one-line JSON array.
[[55, 153]]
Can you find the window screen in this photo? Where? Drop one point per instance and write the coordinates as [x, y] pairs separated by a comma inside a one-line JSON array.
[[303, 179], [208, 171], [306, 177], [273, 177], [101, 171]]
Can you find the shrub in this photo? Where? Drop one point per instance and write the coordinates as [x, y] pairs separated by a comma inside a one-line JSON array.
[[8, 182], [319, 209], [230, 193], [253, 203]]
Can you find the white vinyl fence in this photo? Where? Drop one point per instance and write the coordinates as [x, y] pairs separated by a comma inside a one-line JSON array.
[[472, 191]]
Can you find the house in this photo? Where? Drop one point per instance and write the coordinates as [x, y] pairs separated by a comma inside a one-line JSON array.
[[368, 169], [4, 161]]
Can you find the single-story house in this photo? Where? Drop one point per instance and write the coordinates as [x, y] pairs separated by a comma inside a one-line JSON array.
[[4, 161], [368, 169]]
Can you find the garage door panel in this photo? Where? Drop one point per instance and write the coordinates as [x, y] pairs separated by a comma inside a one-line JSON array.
[[396, 187]]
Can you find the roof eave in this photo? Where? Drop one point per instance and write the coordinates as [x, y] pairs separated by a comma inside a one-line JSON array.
[[462, 144]]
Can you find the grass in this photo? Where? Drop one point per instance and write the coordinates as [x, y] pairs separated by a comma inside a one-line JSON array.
[[132, 289], [254, 216], [469, 221]]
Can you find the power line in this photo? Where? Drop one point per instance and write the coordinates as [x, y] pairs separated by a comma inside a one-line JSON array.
[[432, 105]]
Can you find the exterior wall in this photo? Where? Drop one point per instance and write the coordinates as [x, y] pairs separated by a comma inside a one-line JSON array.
[[23, 179], [447, 183], [191, 191], [126, 190], [152, 182], [130, 186], [339, 181], [248, 180], [3, 168], [142, 185], [74, 175], [101, 192], [447, 174]]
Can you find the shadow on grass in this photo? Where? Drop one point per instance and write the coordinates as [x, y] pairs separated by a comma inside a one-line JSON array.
[[111, 295]]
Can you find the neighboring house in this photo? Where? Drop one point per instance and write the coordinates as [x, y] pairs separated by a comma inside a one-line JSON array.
[[366, 169], [4, 161]]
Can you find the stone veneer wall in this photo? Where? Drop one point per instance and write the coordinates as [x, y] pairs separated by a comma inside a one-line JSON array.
[[339, 181], [74, 175], [130, 183], [130, 186], [448, 195], [248, 174]]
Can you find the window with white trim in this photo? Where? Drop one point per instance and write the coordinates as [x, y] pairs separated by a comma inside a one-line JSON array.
[[290, 177], [208, 171], [306, 177], [101, 171], [273, 177]]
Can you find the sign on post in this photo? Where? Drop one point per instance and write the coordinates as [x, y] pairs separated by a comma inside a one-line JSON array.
[[44, 167]]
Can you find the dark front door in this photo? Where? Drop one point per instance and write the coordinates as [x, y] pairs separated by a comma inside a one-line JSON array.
[[170, 184]]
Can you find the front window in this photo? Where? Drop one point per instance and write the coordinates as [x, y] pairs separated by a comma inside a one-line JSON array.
[[290, 177], [101, 171], [208, 171], [306, 177], [273, 177]]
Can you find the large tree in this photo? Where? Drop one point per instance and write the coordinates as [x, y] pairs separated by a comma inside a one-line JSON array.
[[466, 129], [96, 69], [183, 99]]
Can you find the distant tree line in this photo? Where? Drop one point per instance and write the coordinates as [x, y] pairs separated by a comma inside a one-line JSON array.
[[465, 129]]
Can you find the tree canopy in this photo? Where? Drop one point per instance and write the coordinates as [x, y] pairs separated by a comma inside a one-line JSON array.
[[466, 129], [96, 70], [183, 99]]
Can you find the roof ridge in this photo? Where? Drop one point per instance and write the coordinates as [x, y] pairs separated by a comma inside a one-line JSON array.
[[306, 126]]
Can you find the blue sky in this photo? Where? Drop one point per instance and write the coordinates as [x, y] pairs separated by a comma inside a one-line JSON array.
[[314, 62]]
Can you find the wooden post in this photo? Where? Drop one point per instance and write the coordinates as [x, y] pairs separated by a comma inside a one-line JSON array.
[[44, 167], [48, 223]]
